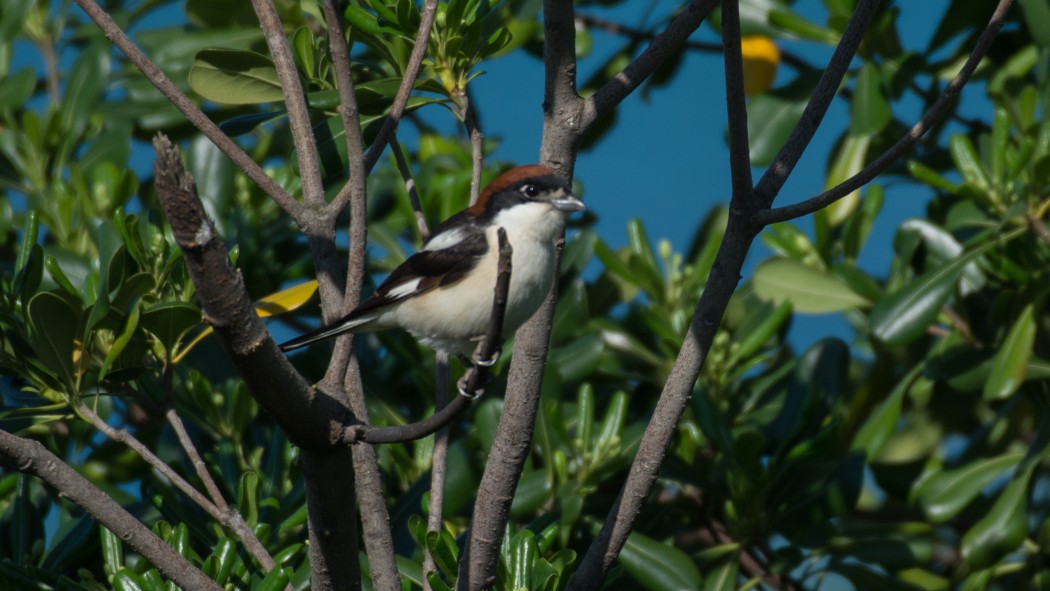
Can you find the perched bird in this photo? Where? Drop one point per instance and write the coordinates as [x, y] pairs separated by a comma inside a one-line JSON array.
[[442, 294]]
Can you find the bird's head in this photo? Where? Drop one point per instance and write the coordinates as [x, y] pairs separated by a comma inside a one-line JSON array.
[[531, 185]]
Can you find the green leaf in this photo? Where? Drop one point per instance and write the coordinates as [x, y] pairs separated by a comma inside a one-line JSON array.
[[849, 160], [27, 282], [1002, 529], [945, 494], [904, 315], [235, 77], [169, 321], [17, 88], [793, 23], [811, 291], [276, 580], [444, 550], [248, 497], [121, 342], [54, 322], [870, 111], [30, 229], [522, 556], [882, 421], [770, 119], [112, 552], [1037, 19], [931, 177], [658, 566], [1011, 359], [724, 578], [84, 88]]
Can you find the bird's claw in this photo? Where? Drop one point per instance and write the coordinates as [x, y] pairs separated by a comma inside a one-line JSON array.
[[461, 385], [490, 361]]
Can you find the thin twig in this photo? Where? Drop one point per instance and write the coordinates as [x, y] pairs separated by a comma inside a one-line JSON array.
[[193, 114], [125, 437], [410, 187], [294, 100], [934, 114], [663, 46], [31, 457], [470, 121], [637, 34], [408, 81], [356, 185], [438, 465], [827, 87]]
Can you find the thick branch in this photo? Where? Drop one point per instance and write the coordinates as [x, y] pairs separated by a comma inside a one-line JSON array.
[[827, 87], [30, 457], [562, 108], [309, 419], [666, 43], [939, 109], [193, 114], [562, 105]]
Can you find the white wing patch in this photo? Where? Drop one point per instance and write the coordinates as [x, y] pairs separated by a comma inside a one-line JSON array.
[[446, 239], [404, 290]]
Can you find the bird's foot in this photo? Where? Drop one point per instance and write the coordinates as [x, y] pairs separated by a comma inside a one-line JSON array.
[[462, 385], [490, 361]]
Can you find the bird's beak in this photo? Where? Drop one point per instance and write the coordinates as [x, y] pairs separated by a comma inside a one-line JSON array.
[[567, 202]]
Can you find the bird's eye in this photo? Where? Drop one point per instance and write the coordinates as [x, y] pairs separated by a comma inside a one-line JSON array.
[[530, 190]]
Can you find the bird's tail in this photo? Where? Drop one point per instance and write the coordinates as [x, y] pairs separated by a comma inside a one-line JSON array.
[[346, 324]]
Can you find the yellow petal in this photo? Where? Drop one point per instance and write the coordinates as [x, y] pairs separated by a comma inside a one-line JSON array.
[[280, 302], [761, 58]]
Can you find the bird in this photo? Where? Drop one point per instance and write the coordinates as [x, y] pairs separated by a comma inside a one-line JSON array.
[[442, 294]]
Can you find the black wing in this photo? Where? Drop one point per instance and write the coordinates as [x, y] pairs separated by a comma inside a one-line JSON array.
[[432, 269]]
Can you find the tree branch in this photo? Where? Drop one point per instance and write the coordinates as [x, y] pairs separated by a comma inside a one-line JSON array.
[[294, 100], [193, 114], [410, 187], [720, 287], [307, 418], [438, 463], [935, 113], [623, 84], [31, 457], [827, 87], [415, 60]]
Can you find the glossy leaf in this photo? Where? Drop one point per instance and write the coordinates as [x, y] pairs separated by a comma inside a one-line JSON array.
[[883, 420], [849, 160], [658, 566], [1002, 529], [809, 290], [869, 111], [904, 315], [169, 321], [770, 118], [945, 494], [235, 77], [1011, 359], [54, 324]]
